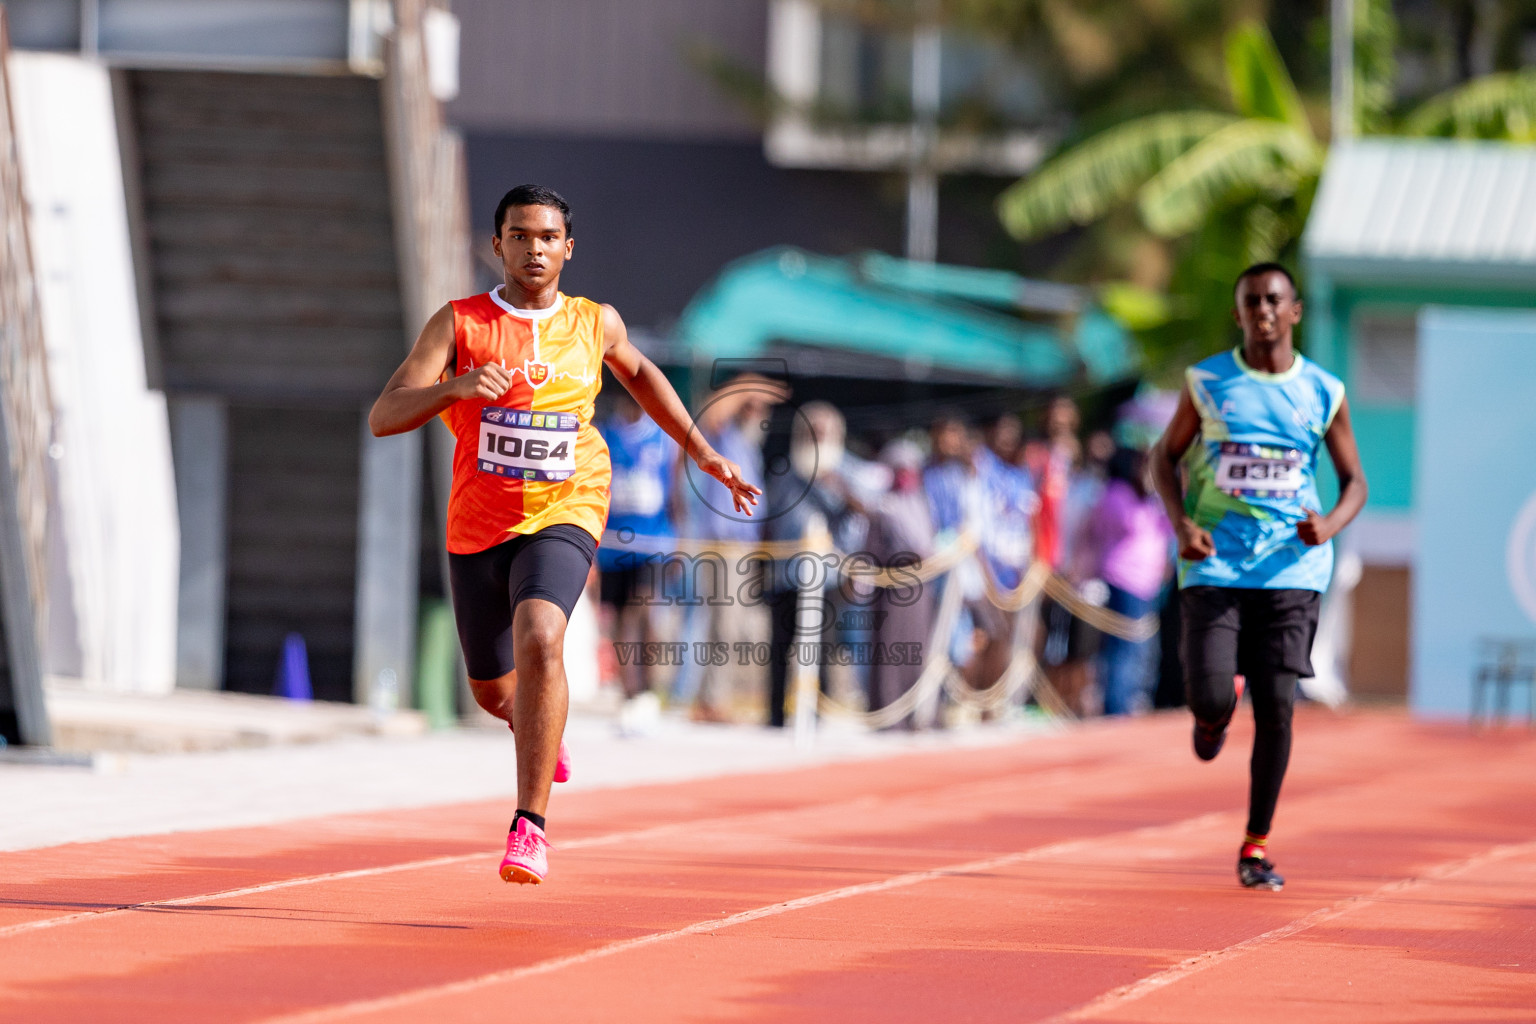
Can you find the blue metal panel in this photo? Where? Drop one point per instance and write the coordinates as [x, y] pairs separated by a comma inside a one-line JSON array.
[[1475, 569]]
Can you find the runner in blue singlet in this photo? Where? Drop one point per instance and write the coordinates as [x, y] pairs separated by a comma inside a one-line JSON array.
[[1255, 554]]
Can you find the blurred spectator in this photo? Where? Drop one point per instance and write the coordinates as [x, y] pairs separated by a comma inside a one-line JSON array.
[[959, 501], [954, 493], [736, 422], [1067, 492], [1052, 464], [640, 533], [901, 532], [1126, 544], [1011, 502], [816, 485], [1006, 438], [1006, 535], [1141, 422]]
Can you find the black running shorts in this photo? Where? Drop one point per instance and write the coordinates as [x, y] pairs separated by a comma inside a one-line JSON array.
[[1231, 630], [487, 586]]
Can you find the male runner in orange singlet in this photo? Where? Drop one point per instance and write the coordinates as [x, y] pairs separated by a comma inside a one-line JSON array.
[[514, 373]]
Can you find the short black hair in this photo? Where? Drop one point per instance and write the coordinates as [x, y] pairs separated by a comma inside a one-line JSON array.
[[944, 415], [533, 195], [1267, 268]]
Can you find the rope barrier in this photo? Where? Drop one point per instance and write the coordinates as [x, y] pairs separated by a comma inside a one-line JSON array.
[[1099, 617], [1021, 670], [1022, 675], [1036, 578], [929, 682]]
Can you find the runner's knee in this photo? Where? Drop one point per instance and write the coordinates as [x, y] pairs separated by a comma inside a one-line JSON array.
[[495, 695], [1274, 699], [541, 643], [1212, 698]]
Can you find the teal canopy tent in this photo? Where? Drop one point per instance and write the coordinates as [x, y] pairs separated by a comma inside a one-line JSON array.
[[876, 317]]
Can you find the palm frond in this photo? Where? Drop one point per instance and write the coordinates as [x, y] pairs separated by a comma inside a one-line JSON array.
[[1265, 233], [1087, 181], [1492, 107], [1135, 307], [1256, 156], [1256, 76]]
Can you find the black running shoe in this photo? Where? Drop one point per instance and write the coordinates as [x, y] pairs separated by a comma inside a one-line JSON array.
[[1209, 739], [1258, 873]]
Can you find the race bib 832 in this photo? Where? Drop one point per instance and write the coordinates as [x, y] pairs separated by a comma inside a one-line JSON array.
[[527, 445], [1251, 470]]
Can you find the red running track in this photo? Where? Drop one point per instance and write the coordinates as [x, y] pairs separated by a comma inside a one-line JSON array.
[[1085, 876]]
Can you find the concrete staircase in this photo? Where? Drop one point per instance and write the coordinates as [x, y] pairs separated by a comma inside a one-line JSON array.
[[271, 246]]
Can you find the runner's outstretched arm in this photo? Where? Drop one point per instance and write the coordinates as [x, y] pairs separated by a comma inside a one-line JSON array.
[[654, 392], [1163, 467], [417, 391], [1340, 439]]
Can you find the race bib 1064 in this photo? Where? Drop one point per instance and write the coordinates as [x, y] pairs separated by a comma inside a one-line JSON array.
[[1255, 471], [527, 445]]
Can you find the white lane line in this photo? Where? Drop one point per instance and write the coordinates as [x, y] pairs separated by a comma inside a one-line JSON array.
[[419, 995], [1196, 964], [182, 901], [608, 839]]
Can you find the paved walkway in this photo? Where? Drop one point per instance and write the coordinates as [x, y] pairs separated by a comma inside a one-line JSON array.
[[141, 794]]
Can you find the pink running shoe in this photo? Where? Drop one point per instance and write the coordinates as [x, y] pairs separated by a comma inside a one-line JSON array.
[[562, 763], [527, 858]]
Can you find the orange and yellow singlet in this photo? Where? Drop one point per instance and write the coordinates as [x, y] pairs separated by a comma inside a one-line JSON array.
[[532, 458]]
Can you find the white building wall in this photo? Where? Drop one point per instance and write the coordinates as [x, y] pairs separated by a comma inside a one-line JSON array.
[[116, 545]]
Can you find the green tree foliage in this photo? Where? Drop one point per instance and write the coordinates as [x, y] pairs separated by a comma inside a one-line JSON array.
[[1499, 106], [1227, 188], [1087, 181]]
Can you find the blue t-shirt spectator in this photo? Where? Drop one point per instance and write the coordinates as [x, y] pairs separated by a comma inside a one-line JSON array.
[[640, 524]]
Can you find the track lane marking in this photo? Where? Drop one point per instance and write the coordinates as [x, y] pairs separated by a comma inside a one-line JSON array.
[[1204, 961], [1071, 775], [250, 890], [901, 881]]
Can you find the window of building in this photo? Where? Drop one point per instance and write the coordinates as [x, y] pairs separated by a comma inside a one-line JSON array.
[[1384, 358], [846, 88], [189, 31]]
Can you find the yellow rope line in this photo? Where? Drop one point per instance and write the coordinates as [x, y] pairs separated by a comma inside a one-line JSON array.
[[1037, 578]]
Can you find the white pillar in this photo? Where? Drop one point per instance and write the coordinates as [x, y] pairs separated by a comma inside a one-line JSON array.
[[200, 443], [1342, 69], [388, 552], [922, 179]]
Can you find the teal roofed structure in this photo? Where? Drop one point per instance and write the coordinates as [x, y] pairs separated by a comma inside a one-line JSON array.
[[1420, 260], [876, 317]]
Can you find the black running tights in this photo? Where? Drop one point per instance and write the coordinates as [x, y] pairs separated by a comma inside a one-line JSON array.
[[1213, 700]]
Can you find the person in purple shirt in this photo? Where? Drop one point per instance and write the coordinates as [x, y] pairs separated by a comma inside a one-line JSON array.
[[1127, 546]]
